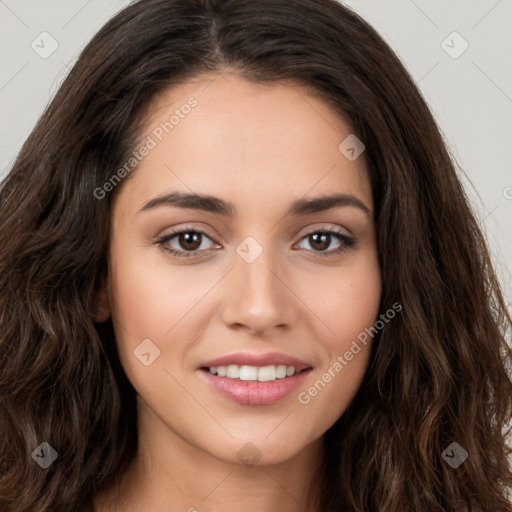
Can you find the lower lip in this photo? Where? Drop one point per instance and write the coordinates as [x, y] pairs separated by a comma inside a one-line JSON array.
[[251, 392]]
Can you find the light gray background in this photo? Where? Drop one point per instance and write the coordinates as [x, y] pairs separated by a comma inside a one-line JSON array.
[[471, 96]]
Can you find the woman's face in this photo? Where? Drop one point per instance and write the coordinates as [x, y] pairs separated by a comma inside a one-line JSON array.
[[257, 290]]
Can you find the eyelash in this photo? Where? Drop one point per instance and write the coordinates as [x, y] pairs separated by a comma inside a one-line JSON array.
[[346, 242]]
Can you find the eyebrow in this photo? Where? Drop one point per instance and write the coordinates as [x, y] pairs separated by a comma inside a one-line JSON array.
[[219, 206]]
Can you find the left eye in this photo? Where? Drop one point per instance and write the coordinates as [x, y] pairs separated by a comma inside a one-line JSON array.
[[321, 240]]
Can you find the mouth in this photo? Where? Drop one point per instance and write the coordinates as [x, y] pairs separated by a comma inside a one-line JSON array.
[[255, 379]]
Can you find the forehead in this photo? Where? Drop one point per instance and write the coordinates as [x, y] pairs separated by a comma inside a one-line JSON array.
[[221, 134]]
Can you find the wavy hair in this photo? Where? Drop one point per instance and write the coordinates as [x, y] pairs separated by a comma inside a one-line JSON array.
[[438, 373]]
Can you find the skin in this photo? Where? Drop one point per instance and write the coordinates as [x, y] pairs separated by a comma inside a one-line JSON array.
[[260, 147]]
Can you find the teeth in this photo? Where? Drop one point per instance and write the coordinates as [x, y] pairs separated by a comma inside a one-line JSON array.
[[233, 371], [281, 371], [248, 373], [267, 373], [259, 373]]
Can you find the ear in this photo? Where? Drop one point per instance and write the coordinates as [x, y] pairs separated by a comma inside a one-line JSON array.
[[102, 312]]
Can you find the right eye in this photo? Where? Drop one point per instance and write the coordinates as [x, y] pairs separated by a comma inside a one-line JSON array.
[[184, 242]]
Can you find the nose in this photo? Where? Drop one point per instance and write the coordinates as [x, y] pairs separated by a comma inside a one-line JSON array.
[[257, 297]]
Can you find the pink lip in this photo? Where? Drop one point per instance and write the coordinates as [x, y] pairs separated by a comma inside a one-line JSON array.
[[255, 392], [241, 358], [250, 392]]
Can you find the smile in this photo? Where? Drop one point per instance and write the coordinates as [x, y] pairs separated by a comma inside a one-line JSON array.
[[255, 379]]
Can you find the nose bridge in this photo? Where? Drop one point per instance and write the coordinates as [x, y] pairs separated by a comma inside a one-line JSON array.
[[256, 297], [256, 278]]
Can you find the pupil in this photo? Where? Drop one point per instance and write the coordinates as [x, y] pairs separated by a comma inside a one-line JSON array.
[[321, 240], [190, 240]]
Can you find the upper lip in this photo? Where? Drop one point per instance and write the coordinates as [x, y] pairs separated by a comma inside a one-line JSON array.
[[267, 359]]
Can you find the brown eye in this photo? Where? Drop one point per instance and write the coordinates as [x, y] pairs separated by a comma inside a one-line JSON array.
[[185, 242], [189, 240], [321, 240]]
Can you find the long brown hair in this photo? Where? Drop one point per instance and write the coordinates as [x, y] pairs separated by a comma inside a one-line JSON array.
[[438, 372]]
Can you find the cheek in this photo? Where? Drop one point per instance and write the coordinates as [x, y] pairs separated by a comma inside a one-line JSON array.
[[150, 298], [348, 300], [350, 310], [153, 299], [354, 306]]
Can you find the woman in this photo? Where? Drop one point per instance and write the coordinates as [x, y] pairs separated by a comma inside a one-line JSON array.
[[238, 269]]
